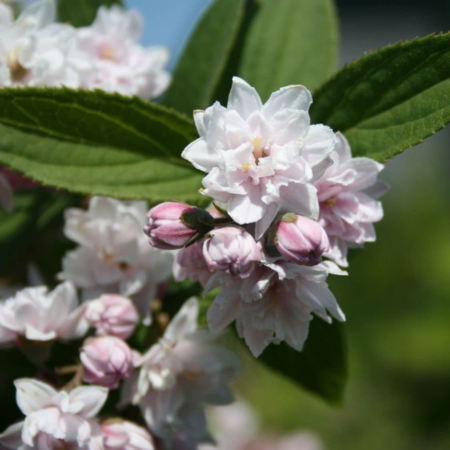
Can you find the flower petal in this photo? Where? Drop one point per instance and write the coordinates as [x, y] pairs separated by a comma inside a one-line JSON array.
[[32, 395], [294, 97], [87, 401], [184, 323], [243, 98], [201, 155]]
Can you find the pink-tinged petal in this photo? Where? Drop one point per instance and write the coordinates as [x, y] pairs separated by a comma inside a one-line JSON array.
[[343, 149], [199, 121], [318, 146], [34, 334], [248, 208], [257, 340], [296, 335], [243, 98], [366, 172], [294, 97], [33, 395], [377, 190], [75, 325], [12, 436], [201, 155], [184, 323], [300, 199], [6, 194], [87, 401], [237, 131], [75, 429], [370, 210], [294, 130], [223, 311], [263, 225], [260, 127]]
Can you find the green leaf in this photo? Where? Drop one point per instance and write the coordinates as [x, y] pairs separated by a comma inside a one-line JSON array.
[[291, 42], [391, 99], [322, 365], [98, 144], [199, 71], [82, 13], [33, 213]]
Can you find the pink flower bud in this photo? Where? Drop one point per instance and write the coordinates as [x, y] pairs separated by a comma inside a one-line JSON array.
[[172, 225], [113, 315], [106, 360], [119, 434], [301, 240], [231, 250]]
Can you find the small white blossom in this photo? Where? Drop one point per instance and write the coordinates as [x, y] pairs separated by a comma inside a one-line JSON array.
[[275, 303], [39, 315], [35, 51], [186, 369], [348, 206], [121, 64], [261, 158], [56, 419], [113, 254]]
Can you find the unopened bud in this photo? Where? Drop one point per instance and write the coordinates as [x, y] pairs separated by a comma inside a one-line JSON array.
[[231, 250], [106, 361], [113, 315], [301, 240], [124, 435], [173, 225]]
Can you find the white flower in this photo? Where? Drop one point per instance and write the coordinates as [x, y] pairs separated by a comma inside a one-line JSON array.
[[122, 435], [275, 303], [121, 64], [113, 254], [261, 158], [186, 369], [39, 315], [56, 418], [348, 206], [6, 192], [34, 51]]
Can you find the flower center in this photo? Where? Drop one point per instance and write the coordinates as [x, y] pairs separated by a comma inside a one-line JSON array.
[[258, 147], [107, 52], [331, 202], [18, 72]]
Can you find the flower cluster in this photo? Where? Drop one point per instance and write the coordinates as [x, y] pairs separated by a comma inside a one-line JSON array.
[[36, 51], [287, 194], [186, 369]]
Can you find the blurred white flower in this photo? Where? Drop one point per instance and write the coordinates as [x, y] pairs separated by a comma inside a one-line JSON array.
[[113, 254], [185, 370], [121, 64], [348, 206], [235, 427], [261, 158], [35, 51], [39, 315], [56, 419]]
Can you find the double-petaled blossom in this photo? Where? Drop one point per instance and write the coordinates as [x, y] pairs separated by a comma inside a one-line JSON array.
[[301, 240], [35, 51], [261, 158], [113, 254], [112, 315], [348, 207], [39, 315], [232, 251], [120, 434], [56, 419], [276, 303], [106, 360], [120, 63], [181, 373]]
